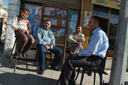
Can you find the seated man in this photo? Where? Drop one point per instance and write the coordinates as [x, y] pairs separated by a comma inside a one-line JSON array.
[[90, 56], [45, 41], [75, 40]]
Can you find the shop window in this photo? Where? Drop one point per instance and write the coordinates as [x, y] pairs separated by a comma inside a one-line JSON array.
[[112, 33], [101, 11], [114, 13], [73, 16]]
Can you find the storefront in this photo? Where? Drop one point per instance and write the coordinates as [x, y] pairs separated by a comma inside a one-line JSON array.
[[66, 14]]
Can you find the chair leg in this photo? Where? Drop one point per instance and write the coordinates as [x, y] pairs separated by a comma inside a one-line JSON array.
[[77, 73], [36, 57], [26, 61], [11, 55], [94, 78], [50, 59], [82, 77], [100, 78], [15, 65], [10, 61]]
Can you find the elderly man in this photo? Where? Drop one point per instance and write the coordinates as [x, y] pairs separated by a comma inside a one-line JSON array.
[[75, 40], [45, 41], [90, 56]]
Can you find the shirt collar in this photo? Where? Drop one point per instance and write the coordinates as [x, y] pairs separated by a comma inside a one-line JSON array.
[[93, 32], [44, 28]]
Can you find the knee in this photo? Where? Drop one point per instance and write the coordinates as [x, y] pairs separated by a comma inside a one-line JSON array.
[[25, 40], [60, 52], [41, 49], [32, 40]]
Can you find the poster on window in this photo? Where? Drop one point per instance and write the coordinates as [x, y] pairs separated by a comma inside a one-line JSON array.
[[55, 12], [34, 17]]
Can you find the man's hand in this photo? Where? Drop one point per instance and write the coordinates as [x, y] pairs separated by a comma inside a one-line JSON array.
[[27, 32], [51, 46], [74, 55], [79, 43], [47, 47]]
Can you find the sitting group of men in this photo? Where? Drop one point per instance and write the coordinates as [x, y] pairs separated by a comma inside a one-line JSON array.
[[45, 40]]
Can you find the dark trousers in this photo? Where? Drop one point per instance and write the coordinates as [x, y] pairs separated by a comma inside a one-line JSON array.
[[41, 55], [72, 62], [25, 40]]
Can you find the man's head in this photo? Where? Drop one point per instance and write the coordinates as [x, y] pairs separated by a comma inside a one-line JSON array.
[[39, 11], [24, 13], [78, 29], [94, 23], [47, 24]]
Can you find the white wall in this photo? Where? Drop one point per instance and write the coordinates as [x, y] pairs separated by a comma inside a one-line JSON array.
[[13, 10]]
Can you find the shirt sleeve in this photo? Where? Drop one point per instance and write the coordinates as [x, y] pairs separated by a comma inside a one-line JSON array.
[[39, 37], [71, 40], [82, 38], [14, 23], [52, 39], [29, 27], [92, 47]]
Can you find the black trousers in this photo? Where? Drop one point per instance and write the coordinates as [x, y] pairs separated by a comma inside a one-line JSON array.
[[72, 62]]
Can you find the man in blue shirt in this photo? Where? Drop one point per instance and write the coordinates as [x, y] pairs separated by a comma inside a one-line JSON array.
[[45, 41], [90, 56]]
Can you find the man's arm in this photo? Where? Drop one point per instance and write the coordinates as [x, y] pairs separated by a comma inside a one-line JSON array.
[[70, 39], [82, 38], [39, 37], [52, 38], [92, 47]]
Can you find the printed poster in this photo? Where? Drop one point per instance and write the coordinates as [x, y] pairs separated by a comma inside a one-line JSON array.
[[34, 17]]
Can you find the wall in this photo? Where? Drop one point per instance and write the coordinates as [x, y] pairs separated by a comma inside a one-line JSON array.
[[74, 4], [87, 13], [13, 10]]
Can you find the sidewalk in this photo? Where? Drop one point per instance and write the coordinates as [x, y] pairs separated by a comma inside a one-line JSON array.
[[30, 76]]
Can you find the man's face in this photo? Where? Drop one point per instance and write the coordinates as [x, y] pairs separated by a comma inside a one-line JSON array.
[[24, 14], [92, 24], [78, 29], [47, 24]]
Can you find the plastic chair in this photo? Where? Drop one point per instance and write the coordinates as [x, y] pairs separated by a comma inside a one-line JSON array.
[[14, 54], [98, 69]]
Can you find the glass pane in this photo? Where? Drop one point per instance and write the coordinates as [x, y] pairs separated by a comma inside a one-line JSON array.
[[72, 23], [112, 33], [101, 11], [115, 13]]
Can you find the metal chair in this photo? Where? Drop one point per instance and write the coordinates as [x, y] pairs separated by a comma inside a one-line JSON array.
[[14, 54], [98, 69]]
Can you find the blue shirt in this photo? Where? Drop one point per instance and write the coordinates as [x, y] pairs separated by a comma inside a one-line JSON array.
[[98, 44], [45, 37]]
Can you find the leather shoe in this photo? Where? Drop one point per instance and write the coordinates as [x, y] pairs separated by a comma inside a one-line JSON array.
[[19, 54], [41, 71], [23, 54], [55, 68], [105, 72]]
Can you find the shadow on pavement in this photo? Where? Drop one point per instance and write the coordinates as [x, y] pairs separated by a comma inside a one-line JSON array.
[[25, 79]]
